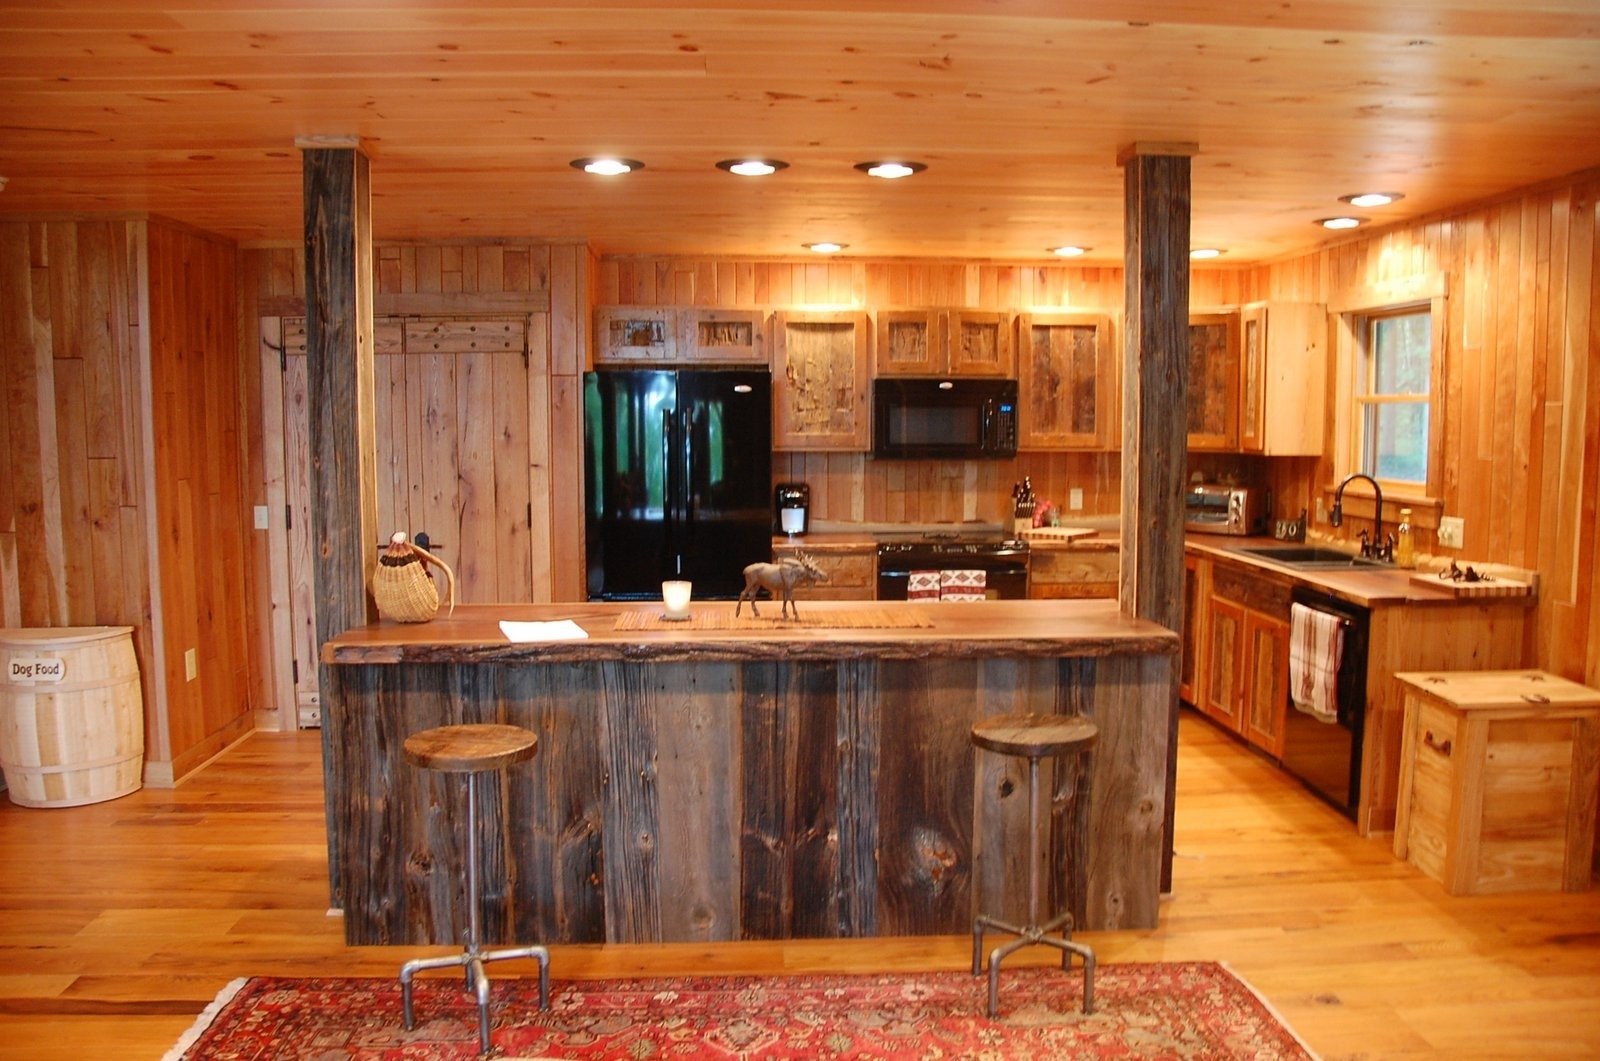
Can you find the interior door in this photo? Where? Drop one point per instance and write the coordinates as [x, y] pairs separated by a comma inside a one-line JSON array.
[[456, 452]]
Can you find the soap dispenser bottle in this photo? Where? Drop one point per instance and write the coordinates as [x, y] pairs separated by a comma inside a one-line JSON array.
[[1405, 550]]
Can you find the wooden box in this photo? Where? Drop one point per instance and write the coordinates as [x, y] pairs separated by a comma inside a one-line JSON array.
[[1498, 780]]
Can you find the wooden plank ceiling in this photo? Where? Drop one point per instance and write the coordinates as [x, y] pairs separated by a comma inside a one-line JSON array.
[[471, 114]]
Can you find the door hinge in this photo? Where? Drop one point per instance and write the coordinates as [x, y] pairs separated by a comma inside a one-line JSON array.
[[530, 515], [288, 517], [294, 671]]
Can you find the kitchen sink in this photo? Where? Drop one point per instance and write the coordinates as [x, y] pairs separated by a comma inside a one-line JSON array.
[[1307, 556]]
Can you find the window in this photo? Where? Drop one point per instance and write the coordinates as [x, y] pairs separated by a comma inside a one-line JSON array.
[[1394, 400]]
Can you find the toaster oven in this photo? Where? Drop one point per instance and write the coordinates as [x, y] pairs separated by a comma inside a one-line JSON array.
[[1213, 509]]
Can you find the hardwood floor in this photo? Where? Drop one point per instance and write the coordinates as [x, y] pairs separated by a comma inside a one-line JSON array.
[[120, 921]]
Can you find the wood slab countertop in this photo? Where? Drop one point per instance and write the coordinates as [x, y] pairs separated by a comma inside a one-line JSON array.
[[956, 630], [1368, 586]]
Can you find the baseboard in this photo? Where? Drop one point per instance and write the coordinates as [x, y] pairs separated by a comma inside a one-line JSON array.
[[168, 774]]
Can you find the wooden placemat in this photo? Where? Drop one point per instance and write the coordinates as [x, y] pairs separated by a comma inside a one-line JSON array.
[[902, 618]]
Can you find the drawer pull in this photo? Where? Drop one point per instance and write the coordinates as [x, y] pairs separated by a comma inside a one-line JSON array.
[[1536, 698], [1441, 746]]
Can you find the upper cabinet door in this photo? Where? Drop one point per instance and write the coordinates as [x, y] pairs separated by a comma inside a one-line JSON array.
[[910, 343], [635, 333], [1214, 381], [733, 335], [1068, 386], [979, 343], [1284, 378], [820, 382]]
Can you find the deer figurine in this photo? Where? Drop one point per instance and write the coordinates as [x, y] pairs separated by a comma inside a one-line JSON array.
[[779, 579]]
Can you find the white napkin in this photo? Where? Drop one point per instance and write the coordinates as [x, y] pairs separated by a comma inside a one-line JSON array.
[[558, 630]]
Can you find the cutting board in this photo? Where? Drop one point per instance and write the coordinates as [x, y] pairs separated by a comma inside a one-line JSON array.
[[1057, 534], [1498, 585]]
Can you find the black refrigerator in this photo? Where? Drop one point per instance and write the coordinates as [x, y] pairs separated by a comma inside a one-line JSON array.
[[678, 479]]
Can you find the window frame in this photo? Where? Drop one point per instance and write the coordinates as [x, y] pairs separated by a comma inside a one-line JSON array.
[[1353, 397]]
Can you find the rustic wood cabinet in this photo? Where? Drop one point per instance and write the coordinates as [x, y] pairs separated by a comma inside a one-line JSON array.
[[1068, 382], [955, 342], [1283, 378], [732, 335], [852, 573], [1196, 588], [1214, 381], [820, 382], [910, 343], [1073, 573], [1241, 667], [630, 334]]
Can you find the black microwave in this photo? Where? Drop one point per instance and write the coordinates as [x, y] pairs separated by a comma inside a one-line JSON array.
[[956, 419]]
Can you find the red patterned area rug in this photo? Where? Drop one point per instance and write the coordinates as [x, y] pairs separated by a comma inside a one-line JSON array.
[[1157, 1010]]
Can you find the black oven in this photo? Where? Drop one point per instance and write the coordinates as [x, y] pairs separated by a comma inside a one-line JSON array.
[[915, 562], [953, 419]]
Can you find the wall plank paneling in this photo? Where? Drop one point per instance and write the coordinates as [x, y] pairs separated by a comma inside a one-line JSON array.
[[1521, 390], [120, 481], [849, 487]]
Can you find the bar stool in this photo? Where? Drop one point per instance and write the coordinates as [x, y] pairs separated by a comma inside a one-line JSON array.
[[472, 750], [1033, 736]]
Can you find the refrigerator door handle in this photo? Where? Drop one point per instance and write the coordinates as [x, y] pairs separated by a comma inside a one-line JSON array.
[[669, 507], [688, 467]]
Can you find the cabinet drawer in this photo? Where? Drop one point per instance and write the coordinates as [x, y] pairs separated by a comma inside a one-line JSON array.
[[1251, 588], [1055, 574]]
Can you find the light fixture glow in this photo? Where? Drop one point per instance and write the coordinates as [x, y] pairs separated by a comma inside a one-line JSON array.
[[1370, 199], [752, 167], [890, 170], [1206, 252], [1070, 252], [1339, 222], [606, 166], [825, 248]]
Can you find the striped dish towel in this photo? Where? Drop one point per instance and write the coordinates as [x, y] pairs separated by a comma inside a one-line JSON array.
[[963, 585], [1316, 644], [922, 586]]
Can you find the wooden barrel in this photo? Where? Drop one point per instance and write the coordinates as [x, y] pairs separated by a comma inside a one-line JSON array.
[[71, 715]]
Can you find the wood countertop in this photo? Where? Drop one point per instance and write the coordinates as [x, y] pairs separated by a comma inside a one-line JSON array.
[[955, 630], [1367, 586]]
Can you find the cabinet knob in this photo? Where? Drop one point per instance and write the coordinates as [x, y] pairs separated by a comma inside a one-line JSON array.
[[1441, 746]]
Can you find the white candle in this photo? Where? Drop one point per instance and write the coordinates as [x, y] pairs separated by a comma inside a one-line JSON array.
[[675, 595]]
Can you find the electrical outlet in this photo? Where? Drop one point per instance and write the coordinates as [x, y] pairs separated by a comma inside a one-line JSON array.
[[261, 517], [1075, 498], [1452, 530], [191, 664]]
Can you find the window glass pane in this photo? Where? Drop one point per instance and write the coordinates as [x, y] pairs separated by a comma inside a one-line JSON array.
[[1401, 353], [1397, 443]]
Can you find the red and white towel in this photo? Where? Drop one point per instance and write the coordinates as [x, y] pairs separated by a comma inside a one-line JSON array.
[[923, 586], [1316, 645], [963, 585]]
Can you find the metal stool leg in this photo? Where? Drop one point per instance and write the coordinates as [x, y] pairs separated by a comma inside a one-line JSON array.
[[1033, 932]]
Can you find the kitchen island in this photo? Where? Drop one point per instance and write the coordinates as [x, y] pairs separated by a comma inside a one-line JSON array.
[[737, 779]]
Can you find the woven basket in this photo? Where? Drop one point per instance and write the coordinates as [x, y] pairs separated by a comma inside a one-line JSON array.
[[403, 587]]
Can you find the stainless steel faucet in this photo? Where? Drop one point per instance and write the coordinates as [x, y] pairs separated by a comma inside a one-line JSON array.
[[1378, 548]]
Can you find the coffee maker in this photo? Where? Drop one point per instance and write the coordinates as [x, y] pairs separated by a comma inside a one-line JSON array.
[[792, 505]]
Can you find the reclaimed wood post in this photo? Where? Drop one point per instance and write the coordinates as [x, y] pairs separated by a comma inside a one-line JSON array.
[[344, 501], [1155, 393]]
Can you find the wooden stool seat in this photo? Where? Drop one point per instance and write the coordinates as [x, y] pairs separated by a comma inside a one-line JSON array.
[[1034, 736], [470, 749]]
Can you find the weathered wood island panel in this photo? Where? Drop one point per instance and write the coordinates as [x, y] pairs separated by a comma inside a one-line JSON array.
[[776, 782]]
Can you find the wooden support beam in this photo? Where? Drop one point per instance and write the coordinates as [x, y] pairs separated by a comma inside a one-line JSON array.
[[339, 352], [1155, 403]]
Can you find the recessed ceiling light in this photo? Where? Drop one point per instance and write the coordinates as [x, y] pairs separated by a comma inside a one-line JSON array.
[[1339, 222], [1069, 252], [607, 166], [1372, 198], [890, 170], [752, 167], [1207, 252], [825, 248]]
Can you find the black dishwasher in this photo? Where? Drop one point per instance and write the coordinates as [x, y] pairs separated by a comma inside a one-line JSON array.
[[1326, 755]]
